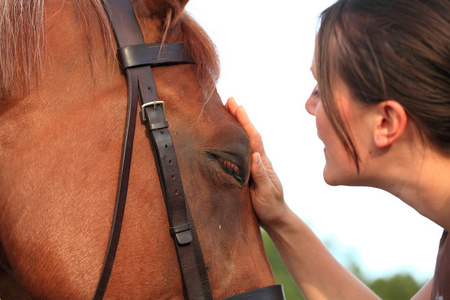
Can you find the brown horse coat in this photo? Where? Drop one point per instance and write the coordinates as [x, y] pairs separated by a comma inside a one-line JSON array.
[[62, 117]]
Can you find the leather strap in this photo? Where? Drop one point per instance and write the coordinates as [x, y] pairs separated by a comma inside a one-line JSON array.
[[122, 190], [135, 58], [193, 269], [273, 292], [152, 55]]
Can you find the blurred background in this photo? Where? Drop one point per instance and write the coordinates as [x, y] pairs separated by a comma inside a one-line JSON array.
[[266, 50]]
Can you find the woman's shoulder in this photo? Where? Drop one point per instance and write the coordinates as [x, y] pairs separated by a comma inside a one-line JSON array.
[[441, 283]]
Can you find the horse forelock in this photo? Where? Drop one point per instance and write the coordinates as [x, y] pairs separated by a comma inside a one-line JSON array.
[[22, 31], [201, 49]]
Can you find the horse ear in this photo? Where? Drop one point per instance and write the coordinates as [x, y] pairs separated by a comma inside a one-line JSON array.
[[161, 8]]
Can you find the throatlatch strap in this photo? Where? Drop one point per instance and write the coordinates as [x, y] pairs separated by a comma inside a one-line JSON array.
[[136, 59]]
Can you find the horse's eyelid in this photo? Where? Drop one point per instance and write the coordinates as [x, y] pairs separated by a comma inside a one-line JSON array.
[[232, 169], [229, 167]]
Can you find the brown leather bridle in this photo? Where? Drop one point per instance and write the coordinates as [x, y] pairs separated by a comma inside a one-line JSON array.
[[137, 59]]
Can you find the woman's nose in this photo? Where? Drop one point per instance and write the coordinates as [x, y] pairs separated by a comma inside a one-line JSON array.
[[311, 104]]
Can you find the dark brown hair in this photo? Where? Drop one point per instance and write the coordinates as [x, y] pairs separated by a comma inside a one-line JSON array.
[[388, 49]]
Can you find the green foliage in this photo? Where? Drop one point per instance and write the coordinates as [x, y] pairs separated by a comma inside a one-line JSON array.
[[400, 286], [279, 270], [397, 287]]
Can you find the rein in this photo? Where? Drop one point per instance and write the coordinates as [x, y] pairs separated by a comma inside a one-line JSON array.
[[136, 60]]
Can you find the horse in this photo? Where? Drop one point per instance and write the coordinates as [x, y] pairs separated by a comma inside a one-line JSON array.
[[62, 117]]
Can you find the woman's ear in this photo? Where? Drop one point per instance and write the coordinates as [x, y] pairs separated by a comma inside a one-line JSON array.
[[390, 123]]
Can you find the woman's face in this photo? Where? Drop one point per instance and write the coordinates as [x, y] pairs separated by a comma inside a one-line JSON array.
[[340, 167]]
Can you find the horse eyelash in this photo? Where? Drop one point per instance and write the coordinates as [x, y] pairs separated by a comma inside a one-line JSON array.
[[229, 168], [232, 169]]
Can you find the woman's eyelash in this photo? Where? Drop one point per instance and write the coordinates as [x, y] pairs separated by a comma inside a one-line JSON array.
[[315, 91]]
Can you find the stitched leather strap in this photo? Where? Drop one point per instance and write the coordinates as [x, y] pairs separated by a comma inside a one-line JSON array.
[[135, 58]]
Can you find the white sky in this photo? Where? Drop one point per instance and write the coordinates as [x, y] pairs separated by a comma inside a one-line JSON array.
[[266, 49]]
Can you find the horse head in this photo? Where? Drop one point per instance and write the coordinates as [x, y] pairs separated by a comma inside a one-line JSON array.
[[62, 116]]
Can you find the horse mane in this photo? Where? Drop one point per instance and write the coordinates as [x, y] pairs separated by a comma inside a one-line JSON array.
[[22, 27]]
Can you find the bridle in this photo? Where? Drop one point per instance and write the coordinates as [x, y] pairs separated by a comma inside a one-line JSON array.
[[136, 60]]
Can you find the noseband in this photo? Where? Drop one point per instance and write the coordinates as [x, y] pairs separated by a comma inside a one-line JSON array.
[[136, 60]]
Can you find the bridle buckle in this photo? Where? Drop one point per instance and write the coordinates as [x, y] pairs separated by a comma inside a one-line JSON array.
[[154, 104]]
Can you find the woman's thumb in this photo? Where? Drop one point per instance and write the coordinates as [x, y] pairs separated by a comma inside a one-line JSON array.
[[259, 173]]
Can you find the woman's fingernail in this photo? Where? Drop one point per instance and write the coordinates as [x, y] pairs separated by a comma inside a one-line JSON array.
[[258, 158]]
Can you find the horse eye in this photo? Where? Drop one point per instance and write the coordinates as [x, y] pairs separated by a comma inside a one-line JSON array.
[[230, 167]]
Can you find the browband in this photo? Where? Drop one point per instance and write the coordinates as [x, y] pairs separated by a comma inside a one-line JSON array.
[[152, 55]]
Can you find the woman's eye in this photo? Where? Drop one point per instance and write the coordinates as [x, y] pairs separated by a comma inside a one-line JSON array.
[[315, 92]]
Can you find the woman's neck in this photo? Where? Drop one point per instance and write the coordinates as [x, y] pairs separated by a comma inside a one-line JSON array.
[[424, 183]]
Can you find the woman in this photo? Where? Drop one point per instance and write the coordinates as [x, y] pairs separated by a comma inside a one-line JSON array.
[[382, 108]]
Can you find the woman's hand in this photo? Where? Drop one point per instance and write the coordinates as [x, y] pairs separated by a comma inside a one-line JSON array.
[[266, 190]]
